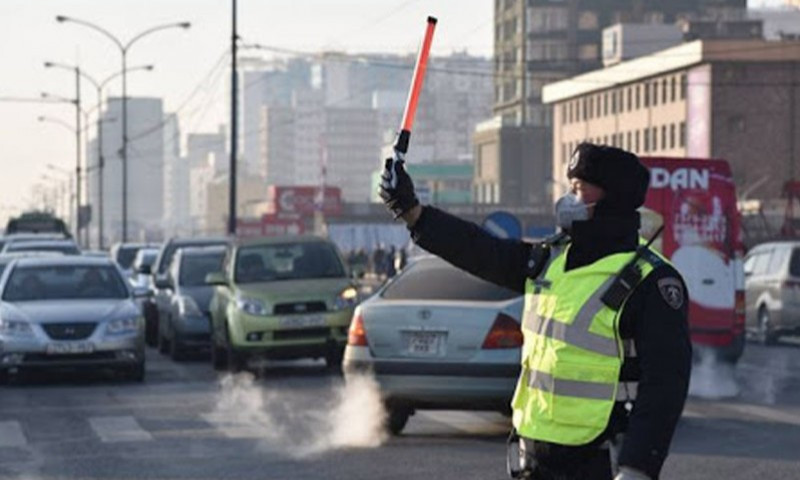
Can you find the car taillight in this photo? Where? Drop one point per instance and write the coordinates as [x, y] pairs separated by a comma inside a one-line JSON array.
[[739, 310], [505, 333], [357, 336]]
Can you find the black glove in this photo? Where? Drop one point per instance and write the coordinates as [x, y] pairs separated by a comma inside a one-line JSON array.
[[401, 198]]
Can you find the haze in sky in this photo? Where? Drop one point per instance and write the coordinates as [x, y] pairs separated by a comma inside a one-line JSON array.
[[29, 36]]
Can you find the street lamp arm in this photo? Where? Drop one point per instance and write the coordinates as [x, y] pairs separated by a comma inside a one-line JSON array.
[[57, 122], [147, 32], [129, 70], [72, 68], [97, 28]]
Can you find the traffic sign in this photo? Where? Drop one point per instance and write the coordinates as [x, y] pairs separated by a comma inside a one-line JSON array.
[[503, 225]]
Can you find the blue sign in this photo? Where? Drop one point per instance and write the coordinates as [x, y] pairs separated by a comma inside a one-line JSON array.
[[503, 225]]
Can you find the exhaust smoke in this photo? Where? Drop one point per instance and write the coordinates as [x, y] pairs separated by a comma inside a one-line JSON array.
[[288, 422], [711, 378]]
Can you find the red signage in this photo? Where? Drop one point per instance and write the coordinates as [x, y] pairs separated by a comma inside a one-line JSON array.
[[695, 201], [305, 200], [269, 226]]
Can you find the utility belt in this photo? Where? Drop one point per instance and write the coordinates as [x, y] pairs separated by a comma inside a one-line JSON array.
[[521, 461]]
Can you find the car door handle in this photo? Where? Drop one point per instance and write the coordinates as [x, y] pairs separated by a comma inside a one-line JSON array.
[[708, 281]]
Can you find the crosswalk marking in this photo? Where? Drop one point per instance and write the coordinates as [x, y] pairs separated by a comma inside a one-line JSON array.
[[11, 435], [232, 427], [118, 429]]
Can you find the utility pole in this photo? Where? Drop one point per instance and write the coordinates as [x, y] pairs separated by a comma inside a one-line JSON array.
[[78, 158], [234, 133]]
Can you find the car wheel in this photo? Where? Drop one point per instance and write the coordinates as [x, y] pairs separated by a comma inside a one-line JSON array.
[[175, 351], [765, 334], [236, 362], [397, 418], [136, 373], [4, 376], [333, 358], [219, 357], [163, 344], [151, 327]]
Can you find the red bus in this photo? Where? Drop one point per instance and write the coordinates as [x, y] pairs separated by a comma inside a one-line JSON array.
[[695, 200]]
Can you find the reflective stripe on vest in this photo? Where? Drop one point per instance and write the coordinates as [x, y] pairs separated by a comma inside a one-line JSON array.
[[572, 355]]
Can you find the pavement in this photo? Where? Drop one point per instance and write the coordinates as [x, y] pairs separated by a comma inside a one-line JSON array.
[[297, 420]]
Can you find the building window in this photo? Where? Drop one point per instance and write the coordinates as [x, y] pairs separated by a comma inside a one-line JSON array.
[[664, 91], [672, 135], [663, 137], [629, 145], [638, 98], [683, 134], [585, 109], [588, 21], [591, 107], [614, 102], [646, 139], [646, 95], [605, 139], [683, 86], [563, 113], [673, 90], [655, 138], [569, 112], [638, 145], [588, 52], [605, 103], [597, 105], [655, 93], [630, 98]]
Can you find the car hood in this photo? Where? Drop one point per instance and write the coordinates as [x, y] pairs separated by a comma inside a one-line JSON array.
[[59, 311], [201, 295], [324, 289]]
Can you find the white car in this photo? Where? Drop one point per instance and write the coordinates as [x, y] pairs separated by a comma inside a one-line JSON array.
[[436, 337], [69, 311]]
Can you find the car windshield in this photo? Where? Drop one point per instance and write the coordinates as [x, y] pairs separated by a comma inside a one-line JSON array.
[[194, 268], [170, 249], [287, 261], [66, 249], [64, 282], [436, 280], [125, 256]]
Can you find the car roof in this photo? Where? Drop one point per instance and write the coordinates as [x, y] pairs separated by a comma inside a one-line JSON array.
[[190, 240], [205, 250], [36, 243], [63, 261], [250, 241]]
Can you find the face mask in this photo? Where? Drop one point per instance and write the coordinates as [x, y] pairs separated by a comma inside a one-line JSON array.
[[569, 208]]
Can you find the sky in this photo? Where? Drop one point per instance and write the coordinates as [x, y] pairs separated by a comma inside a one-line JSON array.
[[29, 36]]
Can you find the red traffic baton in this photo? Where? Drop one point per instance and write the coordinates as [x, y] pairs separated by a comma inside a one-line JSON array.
[[404, 135]]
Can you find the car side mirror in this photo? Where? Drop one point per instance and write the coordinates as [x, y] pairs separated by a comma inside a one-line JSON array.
[[162, 282], [216, 278], [144, 270]]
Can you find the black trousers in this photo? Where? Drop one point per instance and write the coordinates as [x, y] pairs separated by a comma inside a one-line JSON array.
[[559, 462]]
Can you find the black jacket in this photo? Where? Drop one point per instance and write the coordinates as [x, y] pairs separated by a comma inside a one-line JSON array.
[[656, 322]]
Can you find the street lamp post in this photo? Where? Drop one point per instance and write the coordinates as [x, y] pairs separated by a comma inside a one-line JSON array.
[[77, 130], [100, 159], [124, 48]]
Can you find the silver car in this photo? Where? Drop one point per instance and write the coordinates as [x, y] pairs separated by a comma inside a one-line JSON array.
[[772, 290], [437, 337], [64, 246], [69, 311]]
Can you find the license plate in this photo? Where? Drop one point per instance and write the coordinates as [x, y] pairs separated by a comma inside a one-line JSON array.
[[425, 343], [69, 348], [302, 321]]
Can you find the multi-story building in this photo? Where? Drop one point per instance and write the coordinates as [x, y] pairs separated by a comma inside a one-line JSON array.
[[207, 157], [177, 220], [145, 197], [541, 41], [731, 99]]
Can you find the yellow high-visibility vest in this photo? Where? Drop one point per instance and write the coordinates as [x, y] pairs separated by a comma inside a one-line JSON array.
[[572, 352]]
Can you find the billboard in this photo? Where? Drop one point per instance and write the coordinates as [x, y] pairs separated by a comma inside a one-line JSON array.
[[303, 200]]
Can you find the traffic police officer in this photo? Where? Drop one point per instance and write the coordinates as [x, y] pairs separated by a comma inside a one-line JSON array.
[[606, 347]]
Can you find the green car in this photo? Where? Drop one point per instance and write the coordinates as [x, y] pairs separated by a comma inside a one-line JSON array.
[[280, 298]]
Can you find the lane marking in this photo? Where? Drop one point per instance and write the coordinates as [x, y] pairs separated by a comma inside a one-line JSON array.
[[11, 435], [468, 422], [232, 427], [119, 429]]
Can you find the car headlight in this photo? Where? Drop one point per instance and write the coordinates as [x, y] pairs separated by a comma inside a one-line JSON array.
[[15, 328], [187, 307], [347, 298], [252, 306], [123, 326]]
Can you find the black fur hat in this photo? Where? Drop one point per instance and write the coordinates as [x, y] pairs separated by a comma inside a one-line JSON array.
[[618, 172]]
